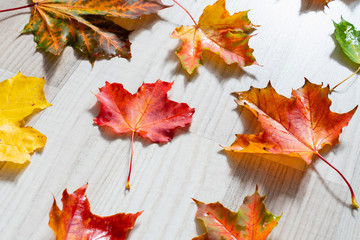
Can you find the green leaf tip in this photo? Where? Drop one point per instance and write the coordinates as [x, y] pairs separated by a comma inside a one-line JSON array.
[[348, 38]]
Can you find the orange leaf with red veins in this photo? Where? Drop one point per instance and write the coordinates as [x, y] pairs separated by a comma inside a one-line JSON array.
[[148, 112], [76, 222], [251, 222], [218, 32], [298, 126]]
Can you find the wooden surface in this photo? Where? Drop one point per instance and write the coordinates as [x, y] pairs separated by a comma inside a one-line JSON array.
[[295, 40]]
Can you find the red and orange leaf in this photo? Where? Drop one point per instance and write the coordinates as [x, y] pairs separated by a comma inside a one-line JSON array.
[[76, 222], [86, 25], [148, 112], [218, 32], [298, 126], [251, 222]]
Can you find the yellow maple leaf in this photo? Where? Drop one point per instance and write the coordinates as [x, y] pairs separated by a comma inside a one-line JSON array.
[[20, 96]]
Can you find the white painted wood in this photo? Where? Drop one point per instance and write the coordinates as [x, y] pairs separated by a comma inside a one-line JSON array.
[[294, 41]]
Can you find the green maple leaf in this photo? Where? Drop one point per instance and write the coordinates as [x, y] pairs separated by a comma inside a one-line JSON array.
[[349, 39]]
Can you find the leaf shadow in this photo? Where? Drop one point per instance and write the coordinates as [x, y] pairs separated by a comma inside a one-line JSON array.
[[10, 171], [311, 5], [278, 174], [339, 56], [248, 119], [213, 62], [106, 132], [324, 152], [200, 227], [50, 65], [13, 15], [316, 5], [332, 193], [179, 70], [270, 173], [217, 66], [145, 22], [351, 2]]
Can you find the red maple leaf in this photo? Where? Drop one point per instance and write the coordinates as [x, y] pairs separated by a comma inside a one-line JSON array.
[[148, 112], [76, 222]]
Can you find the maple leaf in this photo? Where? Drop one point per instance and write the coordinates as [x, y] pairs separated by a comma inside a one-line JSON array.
[[218, 32], [148, 112], [20, 96], [76, 222], [298, 126], [86, 25], [349, 40], [252, 221]]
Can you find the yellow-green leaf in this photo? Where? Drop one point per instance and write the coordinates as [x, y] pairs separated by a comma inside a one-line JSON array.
[[349, 39], [251, 222]]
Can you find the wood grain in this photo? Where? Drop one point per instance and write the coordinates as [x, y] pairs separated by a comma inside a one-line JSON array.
[[294, 41]]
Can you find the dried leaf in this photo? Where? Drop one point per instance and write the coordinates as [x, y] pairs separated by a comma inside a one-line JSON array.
[[20, 96], [76, 222], [218, 32], [251, 222], [86, 25]]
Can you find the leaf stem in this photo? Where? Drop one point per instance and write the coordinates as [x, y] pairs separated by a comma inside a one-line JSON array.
[[353, 199], [131, 160], [331, 90], [13, 9], [186, 11]]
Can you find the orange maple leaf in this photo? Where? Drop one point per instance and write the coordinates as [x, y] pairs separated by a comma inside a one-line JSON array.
[[298, 126], [148, 112], [76, 222], [252, 221], [219, 32]]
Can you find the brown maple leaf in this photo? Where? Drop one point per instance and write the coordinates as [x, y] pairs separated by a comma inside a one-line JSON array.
[[298, 126], [76, 222], [251, 222], [148, 112], [219, 32]]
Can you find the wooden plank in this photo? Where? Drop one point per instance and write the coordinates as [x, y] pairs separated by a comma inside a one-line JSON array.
[[294, 41]]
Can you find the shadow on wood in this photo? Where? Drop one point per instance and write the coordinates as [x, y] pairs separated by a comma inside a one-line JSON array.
[[339, 56], [11, 171], [214, 63], [144, 22]]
